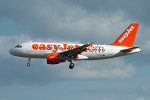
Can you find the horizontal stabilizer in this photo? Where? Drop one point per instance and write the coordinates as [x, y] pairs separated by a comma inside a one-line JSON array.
[[129, 49]]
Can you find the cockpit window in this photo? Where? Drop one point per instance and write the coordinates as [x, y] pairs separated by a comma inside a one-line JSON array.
[[18, 46]]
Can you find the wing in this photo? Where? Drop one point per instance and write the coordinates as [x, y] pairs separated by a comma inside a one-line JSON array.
[[73, 53]]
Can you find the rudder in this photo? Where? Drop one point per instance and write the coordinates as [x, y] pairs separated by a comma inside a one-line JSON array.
[[127, 37]]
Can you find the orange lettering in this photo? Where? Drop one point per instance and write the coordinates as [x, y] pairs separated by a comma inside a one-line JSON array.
[[99, 47], [42, 47], [70, 46], [35, 46], [89, 48], [63, 48], [76, 46], [49, 47], [55, 48]]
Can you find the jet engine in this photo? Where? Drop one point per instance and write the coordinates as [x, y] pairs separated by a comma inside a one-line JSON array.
[[54, 58]]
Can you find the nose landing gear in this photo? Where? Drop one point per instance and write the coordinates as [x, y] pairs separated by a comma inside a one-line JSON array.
[[28, 64]]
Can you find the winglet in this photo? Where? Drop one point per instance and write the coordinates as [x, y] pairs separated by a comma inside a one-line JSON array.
[[127, 37], [91, 43]]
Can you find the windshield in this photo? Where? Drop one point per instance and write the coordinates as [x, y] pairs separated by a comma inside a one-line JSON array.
[[18, 46]]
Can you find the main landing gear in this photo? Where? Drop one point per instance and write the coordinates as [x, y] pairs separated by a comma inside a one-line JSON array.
[[28, 64], [71, 66]]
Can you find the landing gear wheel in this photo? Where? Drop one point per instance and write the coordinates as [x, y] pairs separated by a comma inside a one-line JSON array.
[[28, 64], [71, 66]]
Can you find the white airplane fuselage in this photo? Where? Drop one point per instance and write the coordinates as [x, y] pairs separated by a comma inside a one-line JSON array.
[[93, 52]]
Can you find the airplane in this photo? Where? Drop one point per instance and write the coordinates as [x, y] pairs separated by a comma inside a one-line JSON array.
[[56, 53]]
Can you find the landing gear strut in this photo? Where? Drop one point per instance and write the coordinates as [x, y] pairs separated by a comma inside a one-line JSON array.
[[71, 66], [28, 64]]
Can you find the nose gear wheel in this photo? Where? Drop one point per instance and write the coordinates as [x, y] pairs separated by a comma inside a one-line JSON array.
[[71, 66], [28, 64]]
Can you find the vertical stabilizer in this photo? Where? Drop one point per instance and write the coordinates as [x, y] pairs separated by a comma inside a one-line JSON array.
[[127, 37]]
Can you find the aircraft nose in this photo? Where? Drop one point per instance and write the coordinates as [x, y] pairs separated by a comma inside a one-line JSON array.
[[12, 51]]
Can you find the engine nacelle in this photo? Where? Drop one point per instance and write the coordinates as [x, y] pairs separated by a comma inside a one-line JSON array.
[[54, 58]]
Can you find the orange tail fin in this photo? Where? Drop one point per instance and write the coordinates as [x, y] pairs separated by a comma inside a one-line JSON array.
[[127, 37]]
